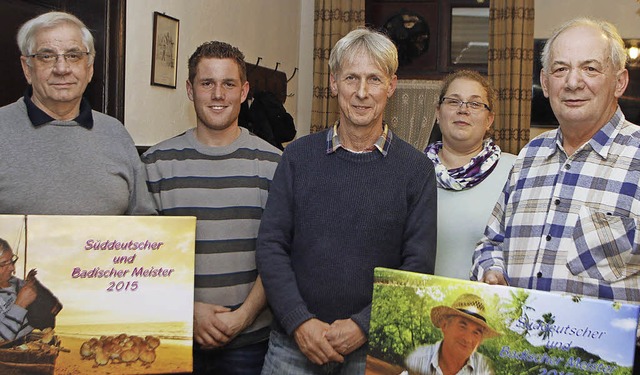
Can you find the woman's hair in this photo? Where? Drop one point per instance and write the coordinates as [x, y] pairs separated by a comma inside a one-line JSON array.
[[4, 246], [217, 50], [365, 41], [617, 52], [492, 95], [27, 34]]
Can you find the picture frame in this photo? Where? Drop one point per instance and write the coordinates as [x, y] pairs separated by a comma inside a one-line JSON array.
[[524, 331], [413, 27], [164, 59]]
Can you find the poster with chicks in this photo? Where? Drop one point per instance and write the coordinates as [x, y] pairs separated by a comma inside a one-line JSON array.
[[96, 294]]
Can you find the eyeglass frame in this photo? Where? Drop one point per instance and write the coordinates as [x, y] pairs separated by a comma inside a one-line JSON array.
[[65, 55], [12, 261], [466, 104]]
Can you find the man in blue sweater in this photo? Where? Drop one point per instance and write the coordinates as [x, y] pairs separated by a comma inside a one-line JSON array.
[[342, 202]]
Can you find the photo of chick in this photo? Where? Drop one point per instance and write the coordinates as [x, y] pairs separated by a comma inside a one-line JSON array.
[[120, 349]]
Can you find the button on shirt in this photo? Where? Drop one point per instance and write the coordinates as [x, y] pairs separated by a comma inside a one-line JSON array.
[[570, 223]]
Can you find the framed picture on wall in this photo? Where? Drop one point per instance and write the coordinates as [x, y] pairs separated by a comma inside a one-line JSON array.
[[164, 61], [413, 27]]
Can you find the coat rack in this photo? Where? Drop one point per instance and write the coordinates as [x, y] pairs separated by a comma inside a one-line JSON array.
[[266, 79]]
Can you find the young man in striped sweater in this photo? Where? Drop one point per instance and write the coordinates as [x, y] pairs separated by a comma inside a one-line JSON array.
[[219, 173]]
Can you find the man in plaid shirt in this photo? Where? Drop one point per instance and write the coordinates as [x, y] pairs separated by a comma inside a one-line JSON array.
[[568, 217]]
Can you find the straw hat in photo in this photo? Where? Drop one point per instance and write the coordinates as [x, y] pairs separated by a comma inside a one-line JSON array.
[[467, 306]]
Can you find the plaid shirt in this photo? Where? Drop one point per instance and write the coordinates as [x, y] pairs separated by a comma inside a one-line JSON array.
[[570, 224], [382, 144]]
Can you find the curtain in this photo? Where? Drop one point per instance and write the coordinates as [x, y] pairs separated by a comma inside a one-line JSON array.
[[333, 19], [411, 111], [510, 70]]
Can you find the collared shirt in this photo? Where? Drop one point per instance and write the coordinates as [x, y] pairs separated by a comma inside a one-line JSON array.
[[424, 361], [39, 117], [382, 144], [570, 223]]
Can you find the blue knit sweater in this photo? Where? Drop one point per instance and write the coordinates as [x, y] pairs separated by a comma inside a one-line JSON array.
[[331, 218]]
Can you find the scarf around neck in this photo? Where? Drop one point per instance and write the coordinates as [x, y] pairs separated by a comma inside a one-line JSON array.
[[470, 174]]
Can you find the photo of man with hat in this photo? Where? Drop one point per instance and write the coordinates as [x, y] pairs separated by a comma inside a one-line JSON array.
[[463, 327]]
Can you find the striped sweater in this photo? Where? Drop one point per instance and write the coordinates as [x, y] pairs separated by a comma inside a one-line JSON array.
[[226, 189]]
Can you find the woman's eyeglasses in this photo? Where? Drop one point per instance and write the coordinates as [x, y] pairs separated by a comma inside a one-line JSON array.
[[454, 103]]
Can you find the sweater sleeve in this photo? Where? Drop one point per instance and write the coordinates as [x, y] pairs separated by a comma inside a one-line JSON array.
[[140, 199], [273, 251], [12, 322], [420, 235]]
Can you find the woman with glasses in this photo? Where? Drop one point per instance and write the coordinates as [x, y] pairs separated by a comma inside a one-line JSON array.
[[470, 168], [15, 296]]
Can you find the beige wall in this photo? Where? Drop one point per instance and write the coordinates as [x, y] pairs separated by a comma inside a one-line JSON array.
[[259, 28], [282, 33], [625, 14]]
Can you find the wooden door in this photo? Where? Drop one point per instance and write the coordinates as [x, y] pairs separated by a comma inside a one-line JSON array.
[[105, 19]]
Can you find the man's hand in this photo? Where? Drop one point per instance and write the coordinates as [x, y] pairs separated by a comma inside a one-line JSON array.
[[494, 278], [209, 330], [310, 337], [235, 321], [345, 336], [27, 294]]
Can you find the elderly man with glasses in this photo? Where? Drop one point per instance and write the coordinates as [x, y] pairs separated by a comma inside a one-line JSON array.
[[57, 155], [15, 297]]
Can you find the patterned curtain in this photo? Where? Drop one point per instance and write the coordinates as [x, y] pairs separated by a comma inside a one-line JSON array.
[[510, 70], [333, 19]]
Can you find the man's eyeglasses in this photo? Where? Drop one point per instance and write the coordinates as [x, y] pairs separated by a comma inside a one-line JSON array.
[[49, 59], [454, 103], [13, 260]]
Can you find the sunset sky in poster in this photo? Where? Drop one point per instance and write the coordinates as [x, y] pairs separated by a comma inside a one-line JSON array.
[[56, 246]]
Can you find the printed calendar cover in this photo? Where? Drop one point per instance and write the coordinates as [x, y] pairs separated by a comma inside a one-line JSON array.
[[96, 294], [423, 324]]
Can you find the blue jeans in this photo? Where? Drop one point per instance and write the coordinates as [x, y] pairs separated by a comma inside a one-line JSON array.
[[285, 358], [246, 360]]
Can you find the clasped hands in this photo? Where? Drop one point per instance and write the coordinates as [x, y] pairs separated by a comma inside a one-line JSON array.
[[215, 326], [322, 342]]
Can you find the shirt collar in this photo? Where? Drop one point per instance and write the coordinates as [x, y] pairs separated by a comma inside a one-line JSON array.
[[38, 117], [601, 141], [382, 144], [435, 360]]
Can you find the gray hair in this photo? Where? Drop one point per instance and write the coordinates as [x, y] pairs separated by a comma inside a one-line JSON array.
[[26, 37], [363, 40], [4, 246], [617, 51]]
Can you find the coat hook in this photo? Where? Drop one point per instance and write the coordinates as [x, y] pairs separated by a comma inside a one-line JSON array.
[[254, 67], [293, 74], [277, 65]]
